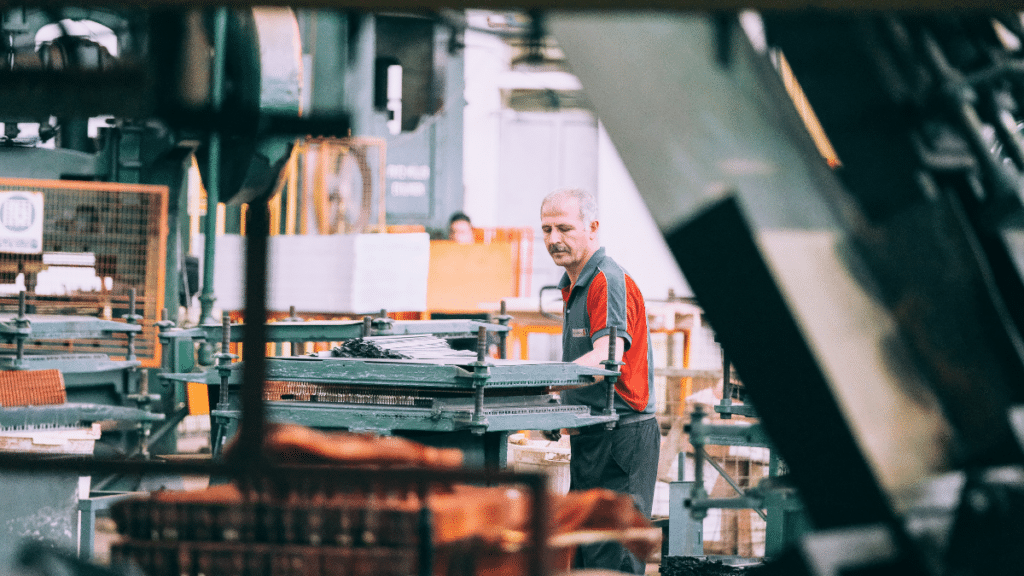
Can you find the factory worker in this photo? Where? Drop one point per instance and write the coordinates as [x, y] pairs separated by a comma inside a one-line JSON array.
[[598, 294], [460, 229]]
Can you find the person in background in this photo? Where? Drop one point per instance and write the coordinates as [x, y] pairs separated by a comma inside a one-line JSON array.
[[598, 294], [460, 229]]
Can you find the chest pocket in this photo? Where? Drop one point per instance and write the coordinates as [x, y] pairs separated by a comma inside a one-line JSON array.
[[579, 333]]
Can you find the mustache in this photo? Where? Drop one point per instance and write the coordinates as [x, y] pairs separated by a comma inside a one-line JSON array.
[[556, 248]]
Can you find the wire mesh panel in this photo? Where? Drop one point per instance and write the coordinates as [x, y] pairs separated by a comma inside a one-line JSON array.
[[99, 241]]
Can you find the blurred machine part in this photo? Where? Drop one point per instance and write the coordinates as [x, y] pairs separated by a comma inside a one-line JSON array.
[[37, 420], [871, 309], [388, 511]]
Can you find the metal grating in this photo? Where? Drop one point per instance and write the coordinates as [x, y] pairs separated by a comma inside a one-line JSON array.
[[31, 388], [100, 241]]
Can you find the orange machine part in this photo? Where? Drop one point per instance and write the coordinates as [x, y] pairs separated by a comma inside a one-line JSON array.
[[31, 388]]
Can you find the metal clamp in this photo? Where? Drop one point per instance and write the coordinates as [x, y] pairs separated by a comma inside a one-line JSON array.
[[23, 325], [481, 372], [164, 323], [293, 317], [132, 318], [612, 365], [503, 319], [224, 360], [382, 322]]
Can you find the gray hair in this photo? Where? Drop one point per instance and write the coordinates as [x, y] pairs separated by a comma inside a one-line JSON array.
[[587, 202]]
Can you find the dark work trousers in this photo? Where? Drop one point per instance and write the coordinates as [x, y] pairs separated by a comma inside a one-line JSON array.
[[624, 460]]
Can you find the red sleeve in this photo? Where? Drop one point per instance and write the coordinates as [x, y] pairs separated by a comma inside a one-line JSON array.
[[597, 303]]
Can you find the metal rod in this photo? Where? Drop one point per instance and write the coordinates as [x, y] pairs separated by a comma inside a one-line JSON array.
[[220, 33], [147, 427], [254, 413], [539, 558], [225, 346], [296, 346], [728, 479], [480, 374], [611, 365], [48, 464], [503, 319], [426, 540], [696, 437], [131, 318], [367, 323], [726, 385], [478, 403], [167, 425], [21, 322]]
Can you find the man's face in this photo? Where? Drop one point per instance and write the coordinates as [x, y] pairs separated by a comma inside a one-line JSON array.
[[461, 232], [568, 239]]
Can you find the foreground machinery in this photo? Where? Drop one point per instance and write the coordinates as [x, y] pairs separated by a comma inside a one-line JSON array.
[[871, 309]]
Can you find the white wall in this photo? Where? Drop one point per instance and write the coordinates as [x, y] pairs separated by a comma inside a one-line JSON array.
[[628, 231], [494, 199], [487, 57]]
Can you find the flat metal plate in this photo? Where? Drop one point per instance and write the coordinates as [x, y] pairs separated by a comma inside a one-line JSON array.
[[22, 417], [410, 373], [69, 363], [511, 414], [334, 330], [51, 327], [311, 331], [441, 328]]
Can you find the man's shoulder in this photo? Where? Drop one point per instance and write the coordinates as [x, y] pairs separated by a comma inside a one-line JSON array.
[[615, 276], [608, 265]]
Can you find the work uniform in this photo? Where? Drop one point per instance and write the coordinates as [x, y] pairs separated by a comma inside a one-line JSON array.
[[624, 459]]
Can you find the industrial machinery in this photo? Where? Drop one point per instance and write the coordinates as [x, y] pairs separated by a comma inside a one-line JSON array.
[[773, 499], [872, 309], [443, 398]]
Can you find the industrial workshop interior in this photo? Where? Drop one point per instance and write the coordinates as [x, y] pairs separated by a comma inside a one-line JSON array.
[[443, 289]]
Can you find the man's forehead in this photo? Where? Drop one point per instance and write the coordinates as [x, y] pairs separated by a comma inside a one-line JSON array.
[[561, 207]]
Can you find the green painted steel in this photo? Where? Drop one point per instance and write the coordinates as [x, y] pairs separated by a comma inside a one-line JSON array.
[[62, 327], [207, 298], [334, 330], [69, 364], [517, 413], [440, 328], [410, 373], [71, 415]]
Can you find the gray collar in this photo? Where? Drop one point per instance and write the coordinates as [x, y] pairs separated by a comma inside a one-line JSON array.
[[588, 272]]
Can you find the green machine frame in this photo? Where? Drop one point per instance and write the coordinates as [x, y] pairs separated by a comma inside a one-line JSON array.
[[457, 403]]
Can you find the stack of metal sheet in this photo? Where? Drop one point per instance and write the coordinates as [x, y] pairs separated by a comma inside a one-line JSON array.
[[414, 346]]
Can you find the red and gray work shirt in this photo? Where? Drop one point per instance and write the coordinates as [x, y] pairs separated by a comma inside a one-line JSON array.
[[605, 296]]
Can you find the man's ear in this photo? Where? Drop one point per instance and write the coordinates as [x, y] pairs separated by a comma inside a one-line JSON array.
[[594, 225]]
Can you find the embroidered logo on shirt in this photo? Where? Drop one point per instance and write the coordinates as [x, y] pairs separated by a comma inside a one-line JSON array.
[[579, 332]]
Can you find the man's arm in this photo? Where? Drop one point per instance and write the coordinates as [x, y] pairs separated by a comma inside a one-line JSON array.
[[592, 358], [600, 353]]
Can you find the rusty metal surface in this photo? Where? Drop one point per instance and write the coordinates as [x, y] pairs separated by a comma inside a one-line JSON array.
[[31, 387]]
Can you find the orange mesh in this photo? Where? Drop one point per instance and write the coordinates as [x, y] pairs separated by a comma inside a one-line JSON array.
[[31, 388], [121, 230]]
